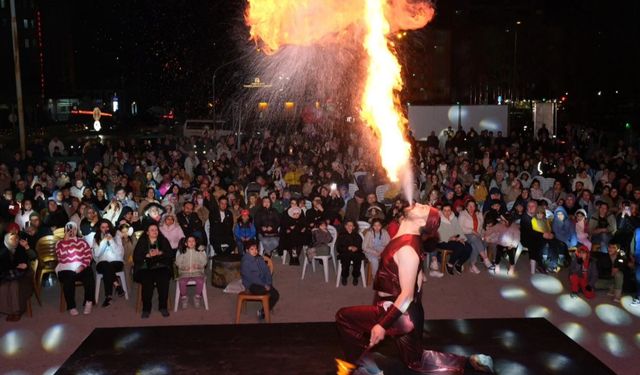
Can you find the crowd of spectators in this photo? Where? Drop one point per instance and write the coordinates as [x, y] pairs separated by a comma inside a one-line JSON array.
[[189, 198]]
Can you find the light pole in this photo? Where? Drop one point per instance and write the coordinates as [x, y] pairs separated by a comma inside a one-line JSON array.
[[213, 81], [16, 64]]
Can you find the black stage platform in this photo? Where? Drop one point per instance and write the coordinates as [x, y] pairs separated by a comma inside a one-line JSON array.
[[518, 346]]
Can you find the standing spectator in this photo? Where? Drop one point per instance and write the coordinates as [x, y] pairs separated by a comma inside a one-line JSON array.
[[56, 147], [267, 222], [602, 227], [74, 264], [256, 276], [191, 261], [375, 240], [108, 254], [349, 248], [244, 230], [152, 268], [221, 226]]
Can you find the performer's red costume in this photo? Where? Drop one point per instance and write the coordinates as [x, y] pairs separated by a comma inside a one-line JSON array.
[[355, 323]]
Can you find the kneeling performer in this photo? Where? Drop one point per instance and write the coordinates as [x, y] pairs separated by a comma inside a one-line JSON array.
[[397, 310]]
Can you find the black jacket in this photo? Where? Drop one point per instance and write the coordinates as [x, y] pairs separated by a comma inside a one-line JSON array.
[[220, 229], [267, 218], [140, 260], [190, 223], [8, 263]]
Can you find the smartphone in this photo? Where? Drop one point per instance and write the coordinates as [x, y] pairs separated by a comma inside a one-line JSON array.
[[334, 187]]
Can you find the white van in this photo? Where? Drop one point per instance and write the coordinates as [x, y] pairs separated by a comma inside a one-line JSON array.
[[198, 128]]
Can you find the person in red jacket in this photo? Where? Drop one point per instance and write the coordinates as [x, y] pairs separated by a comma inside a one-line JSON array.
[[74, 264]]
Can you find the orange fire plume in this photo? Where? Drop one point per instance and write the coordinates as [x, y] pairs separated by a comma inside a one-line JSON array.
[[275, 23], [344, 368]]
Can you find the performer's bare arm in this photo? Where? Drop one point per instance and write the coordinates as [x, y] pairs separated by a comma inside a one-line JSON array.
[[408, 261]]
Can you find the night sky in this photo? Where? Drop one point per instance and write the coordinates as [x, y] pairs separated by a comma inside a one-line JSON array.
[[166, 50]]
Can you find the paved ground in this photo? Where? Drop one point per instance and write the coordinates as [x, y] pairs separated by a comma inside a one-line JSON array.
[[611, 332]]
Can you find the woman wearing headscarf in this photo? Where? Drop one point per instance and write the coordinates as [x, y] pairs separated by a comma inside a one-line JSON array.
[[74, 264], [172, 231], [15, 277], [293, 233]]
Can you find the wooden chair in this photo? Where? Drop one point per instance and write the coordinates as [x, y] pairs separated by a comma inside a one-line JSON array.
[[47, 259], [443, 259], [139, 299], [245, 296], [36, 289]]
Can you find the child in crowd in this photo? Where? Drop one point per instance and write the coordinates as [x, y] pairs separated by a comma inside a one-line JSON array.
[[320, 241], [191, 260]]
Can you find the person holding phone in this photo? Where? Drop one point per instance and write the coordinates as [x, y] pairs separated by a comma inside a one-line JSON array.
[[108, 253]]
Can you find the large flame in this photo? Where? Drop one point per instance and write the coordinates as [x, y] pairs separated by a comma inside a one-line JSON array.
[[275, 23], [380, 101], [344, 367]]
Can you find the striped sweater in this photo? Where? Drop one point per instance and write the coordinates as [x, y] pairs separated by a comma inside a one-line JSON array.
[[72, 253]]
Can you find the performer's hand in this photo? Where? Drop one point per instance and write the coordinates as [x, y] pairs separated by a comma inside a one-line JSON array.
[[377, 335]]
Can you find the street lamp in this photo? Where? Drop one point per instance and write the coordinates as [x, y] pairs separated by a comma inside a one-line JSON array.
[[213, 81]]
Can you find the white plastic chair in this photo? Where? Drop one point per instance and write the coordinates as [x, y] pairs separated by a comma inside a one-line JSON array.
[[363, 274], [192, 283], [123, 282], [324, 258]]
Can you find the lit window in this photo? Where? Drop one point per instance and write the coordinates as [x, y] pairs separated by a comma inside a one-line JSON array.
[[26, 43], [2, 5], [25, 23]]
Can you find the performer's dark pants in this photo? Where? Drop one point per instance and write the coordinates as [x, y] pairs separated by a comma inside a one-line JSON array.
[[355, 323]]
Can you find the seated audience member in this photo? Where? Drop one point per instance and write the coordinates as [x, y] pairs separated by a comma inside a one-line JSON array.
[[221, 226], [16, 284], [74, 264], [615, 271], [320, 241], [172, 231], [293, 233], [372, 201], [267, 222], [375, 240], [471, 222], [451, 237], [504, 235], [56, 217], [626, 223], [602, 227], [531, 239], [152, 268], [190, 223], [554, 251], [244, 230], [582, 228], [129, 240], [583, 273], [256, 276], [349, 249], [108, 254], [22, 218], [191, 260], [563, 228]]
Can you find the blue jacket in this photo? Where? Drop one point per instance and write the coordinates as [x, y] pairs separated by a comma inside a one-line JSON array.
[[636, 244], [244, 230], [564, 230], [254, 270]]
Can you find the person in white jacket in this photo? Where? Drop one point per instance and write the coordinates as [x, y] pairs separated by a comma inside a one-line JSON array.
[[451, 237], [191, 260], [108, 254], [471, 222], [376, 239]]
